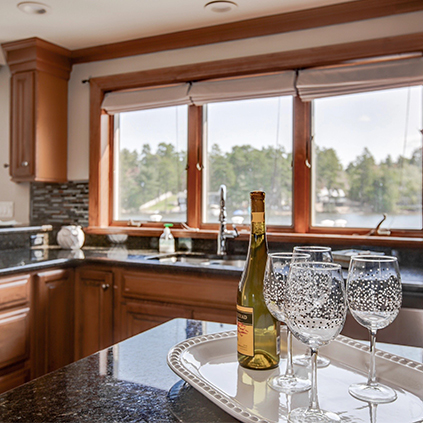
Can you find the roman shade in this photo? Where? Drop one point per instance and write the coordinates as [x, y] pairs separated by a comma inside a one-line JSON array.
[[240, 88], [146, 98], [355, 78]]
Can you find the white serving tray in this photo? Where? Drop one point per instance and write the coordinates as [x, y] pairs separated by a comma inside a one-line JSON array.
[[209, 364]]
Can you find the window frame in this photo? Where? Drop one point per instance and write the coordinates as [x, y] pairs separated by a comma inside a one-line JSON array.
[[101, 143]]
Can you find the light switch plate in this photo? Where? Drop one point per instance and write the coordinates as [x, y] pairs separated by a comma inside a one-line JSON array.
[[6, 209]]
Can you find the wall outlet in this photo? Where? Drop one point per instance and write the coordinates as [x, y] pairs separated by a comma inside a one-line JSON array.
[[6, 209]]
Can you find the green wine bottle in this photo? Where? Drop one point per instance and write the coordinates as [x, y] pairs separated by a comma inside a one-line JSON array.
[[257, 329]]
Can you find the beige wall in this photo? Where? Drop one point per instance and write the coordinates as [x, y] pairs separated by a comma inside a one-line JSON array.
[[78, 117]]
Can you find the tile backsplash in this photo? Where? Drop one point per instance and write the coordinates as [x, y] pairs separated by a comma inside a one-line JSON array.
[[59, 204]]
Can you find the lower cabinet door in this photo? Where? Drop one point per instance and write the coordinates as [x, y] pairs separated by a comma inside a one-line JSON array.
[[215, 315], [93, 311], [54, 317], [14, 377], [139, 316]]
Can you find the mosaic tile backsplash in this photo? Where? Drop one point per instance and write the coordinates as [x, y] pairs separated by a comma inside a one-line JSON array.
[[59, 204]]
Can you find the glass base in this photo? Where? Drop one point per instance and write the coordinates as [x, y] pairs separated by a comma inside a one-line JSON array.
[[305, 361], [376, 393], [289, 384], [307, 415]]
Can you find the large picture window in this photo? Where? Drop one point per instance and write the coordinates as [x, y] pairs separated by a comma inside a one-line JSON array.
[[336, 149], [249, 146], [150, 159], [368, 159]]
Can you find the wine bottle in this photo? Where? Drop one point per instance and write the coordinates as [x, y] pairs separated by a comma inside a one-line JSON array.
[[257, 329]]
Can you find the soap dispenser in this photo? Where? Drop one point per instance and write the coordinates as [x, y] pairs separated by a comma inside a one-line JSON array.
[[167, 242]]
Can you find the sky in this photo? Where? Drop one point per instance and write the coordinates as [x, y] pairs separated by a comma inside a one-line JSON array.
[[385, 122]]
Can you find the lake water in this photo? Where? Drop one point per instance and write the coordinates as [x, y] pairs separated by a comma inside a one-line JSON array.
[[406, 221]]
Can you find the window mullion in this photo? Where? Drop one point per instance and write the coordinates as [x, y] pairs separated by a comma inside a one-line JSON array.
[[195, 166], [301, 172]]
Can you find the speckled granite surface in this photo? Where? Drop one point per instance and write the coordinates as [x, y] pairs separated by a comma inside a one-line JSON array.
[[128, 382]]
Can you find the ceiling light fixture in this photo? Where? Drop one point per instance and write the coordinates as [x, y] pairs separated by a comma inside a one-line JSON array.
[[33, 8], [221, 6]]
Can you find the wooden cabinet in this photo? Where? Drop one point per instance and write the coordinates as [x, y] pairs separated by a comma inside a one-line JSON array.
[[50, 318], [139, 316], [14, 330], [39, 91], [93, 310], [147, 298], [53, 344]]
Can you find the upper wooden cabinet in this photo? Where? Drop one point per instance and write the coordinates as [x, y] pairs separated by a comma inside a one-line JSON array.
[[39, 96]]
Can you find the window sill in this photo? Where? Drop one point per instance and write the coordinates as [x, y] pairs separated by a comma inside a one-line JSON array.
[[315, 238]]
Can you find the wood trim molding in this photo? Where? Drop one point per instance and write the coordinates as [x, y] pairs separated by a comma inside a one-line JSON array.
[[37, 54], [271, 62], [346, 12]]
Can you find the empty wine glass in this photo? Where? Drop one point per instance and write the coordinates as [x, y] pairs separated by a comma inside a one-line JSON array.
[[316, 253], [374, 296], [315, 309], [276, 274]]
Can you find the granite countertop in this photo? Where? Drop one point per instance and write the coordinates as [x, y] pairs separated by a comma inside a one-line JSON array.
[[28, 259], [128, 382]]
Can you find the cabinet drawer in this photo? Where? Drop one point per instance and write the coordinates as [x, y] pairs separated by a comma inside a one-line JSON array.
[[188, 289], [14, 291], [14, 336]]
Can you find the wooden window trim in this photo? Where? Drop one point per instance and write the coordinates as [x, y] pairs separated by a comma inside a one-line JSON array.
[[101, 156], [268, 25]]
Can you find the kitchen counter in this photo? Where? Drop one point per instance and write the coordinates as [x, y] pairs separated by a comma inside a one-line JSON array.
[[129, 382], [25, 260]]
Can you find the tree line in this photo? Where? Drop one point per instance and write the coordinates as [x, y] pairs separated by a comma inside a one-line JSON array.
[[390, 186]]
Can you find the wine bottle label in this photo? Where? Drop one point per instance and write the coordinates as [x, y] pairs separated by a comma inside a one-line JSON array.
[[245, 329]]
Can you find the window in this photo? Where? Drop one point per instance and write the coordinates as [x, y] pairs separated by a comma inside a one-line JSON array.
[[249, 146], [368, 159], [150, 182], [334, 148]]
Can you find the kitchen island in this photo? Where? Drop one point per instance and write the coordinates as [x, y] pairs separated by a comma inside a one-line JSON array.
[[128, 382]]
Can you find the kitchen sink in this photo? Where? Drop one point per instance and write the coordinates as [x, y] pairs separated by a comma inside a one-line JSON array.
[[200, 259]]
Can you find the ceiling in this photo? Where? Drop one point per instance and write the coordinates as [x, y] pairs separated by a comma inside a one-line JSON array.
[[76, 24]]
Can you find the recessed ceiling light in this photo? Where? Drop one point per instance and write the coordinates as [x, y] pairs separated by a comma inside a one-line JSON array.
[[33, 8], [221, 6]]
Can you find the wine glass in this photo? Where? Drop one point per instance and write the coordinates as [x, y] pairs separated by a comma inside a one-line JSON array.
[[276, 273], [316, 253], [374, 296], [315, 310]]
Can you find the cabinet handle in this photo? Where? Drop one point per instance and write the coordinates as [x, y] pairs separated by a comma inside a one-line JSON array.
[[105, 286], [24, 164]]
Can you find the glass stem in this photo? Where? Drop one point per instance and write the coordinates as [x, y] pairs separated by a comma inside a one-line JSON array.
[[289, 367], [314, 402], [372, 368]]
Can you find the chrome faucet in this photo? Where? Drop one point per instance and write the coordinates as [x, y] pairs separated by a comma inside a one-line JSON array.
[[378, 230], [224, 234]]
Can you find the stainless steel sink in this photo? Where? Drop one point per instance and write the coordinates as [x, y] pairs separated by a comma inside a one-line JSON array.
[[200, 259]]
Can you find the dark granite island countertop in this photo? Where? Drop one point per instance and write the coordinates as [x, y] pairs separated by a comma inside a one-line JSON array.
[[128, 382]]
